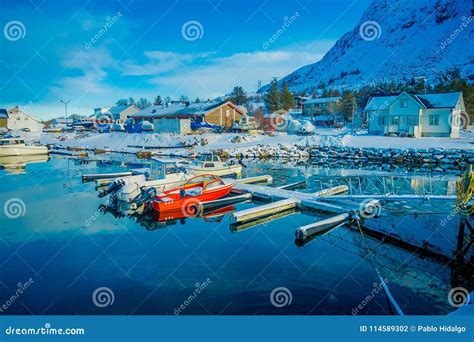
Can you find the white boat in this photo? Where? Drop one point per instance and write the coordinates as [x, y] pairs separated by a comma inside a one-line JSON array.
[[17, 147], [163, 175], [212, 164]]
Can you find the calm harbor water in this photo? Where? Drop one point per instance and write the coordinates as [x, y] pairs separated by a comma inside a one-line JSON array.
[[69, 248]]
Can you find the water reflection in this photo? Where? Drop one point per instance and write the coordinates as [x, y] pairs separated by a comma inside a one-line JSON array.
[[17, 164]]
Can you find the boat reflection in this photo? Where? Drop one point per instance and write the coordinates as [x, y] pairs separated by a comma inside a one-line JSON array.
[[17, 164], [156, 220]]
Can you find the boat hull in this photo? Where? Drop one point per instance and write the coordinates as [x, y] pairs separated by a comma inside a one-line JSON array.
[[187, 203]]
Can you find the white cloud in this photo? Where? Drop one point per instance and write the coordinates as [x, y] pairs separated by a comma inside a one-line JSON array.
[[168, 73]]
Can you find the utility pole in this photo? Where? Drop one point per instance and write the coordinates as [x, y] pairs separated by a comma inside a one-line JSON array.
[[65, 107], [353, 113]]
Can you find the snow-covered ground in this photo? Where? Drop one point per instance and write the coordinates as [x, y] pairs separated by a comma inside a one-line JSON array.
[[241, 142]]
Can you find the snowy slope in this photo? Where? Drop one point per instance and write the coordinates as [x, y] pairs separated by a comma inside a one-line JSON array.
[[396, 40]]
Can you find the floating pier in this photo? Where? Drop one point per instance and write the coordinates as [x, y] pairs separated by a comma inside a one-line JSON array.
[[263, 210], [304, 232]]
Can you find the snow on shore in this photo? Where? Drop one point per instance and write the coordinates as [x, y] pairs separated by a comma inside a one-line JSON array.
[[241, 142]]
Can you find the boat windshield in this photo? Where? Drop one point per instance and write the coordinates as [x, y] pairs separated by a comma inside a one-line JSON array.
[[216, 183], [209, 158]]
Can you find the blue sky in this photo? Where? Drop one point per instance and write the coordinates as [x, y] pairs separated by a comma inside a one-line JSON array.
[[94, 52]]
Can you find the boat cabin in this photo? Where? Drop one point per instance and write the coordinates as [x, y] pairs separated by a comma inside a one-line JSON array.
[[160, 168], [209, 160]]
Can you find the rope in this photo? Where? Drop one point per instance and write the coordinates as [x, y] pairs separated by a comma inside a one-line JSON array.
[[382, 281]]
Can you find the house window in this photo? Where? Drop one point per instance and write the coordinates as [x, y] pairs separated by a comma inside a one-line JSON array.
[[434, 120], [412, 120], [403, 103], [382, 120], [403, 120], [394, 120]]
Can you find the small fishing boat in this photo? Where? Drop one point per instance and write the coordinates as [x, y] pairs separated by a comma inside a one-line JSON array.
[[188, 197], [213, 165], [17, 147], [163, 175]]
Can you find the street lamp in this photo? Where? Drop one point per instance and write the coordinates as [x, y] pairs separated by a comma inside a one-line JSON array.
[[65, 107]]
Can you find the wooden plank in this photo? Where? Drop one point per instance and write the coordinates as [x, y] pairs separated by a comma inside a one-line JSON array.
[[263, 210]]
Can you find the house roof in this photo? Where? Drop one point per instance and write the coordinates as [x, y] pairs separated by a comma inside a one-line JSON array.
[[436, 100], [441, 100], [380, 102], [180, 109], [323, 100], [3, 113]]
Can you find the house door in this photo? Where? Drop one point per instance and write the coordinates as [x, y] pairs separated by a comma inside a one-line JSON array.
[[402, 124]]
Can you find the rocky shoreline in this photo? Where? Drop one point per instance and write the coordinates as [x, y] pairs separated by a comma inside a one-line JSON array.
[[431, 158]]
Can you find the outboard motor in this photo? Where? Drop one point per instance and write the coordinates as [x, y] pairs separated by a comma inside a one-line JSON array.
[[145, 196], [114, 187]]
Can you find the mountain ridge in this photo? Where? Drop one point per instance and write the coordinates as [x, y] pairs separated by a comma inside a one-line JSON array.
[[394, 41]]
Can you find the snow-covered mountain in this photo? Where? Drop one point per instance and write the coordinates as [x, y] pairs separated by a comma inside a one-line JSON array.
[[396, 40]]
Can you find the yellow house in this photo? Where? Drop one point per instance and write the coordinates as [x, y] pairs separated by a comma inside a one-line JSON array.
[[3, 118]]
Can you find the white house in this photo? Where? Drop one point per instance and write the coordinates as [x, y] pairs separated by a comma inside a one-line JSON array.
[[417, 115], [17, 119]]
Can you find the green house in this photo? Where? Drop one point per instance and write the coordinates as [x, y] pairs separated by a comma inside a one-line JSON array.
[[416, 115]]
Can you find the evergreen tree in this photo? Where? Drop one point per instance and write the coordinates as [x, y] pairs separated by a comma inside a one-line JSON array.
[[143, 103], [121, 102], [131, 101], [238, 96], [167, 100], [346, 105], [158, 101], [272, 97], [198, 100], [287, 100], [183, 98]]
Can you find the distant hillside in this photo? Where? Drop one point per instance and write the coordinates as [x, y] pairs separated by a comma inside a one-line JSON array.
[[395, 41]]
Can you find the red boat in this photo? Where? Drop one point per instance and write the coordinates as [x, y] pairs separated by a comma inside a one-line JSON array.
[[188, 197]]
